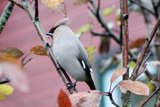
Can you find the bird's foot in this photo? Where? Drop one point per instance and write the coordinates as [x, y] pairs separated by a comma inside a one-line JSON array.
[[72, 86], [47, 46]]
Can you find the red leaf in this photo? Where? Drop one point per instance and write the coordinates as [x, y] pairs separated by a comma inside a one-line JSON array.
[[63, 99]]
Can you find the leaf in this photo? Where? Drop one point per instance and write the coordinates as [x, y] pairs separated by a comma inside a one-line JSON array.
[[90, 49], [14, 52], [7, 58], [5, 89], [86, 99], [39, 50], [52, 3], [135, 87], [78, 2], [108, 11], [15, 74], [151, 86], [119, 72], [63, 99], [84, 29], [137, 43], [132, 64]]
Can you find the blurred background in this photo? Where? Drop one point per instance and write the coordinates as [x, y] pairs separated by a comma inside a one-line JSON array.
[[44, 80]]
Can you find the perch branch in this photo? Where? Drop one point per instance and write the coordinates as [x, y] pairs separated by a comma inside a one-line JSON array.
[[44, 40]]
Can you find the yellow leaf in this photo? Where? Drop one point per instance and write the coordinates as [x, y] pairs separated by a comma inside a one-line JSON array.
[[108, 11], [39, 50], [52, 3], [84, 29], [90, 51], [6, 89], [13, 52], [2, 97], [132, 64]]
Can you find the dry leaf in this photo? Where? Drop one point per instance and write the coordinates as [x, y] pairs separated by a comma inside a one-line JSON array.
[[119, 72], [63, 99], [85, 99], [15, 74], [77, 2], [135, 87], [14, 52], [137, 43], [39, 50], [7, 58]]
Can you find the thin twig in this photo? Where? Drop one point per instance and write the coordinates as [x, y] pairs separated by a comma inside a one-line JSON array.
[[144, 50], [149, 97], [142, 6], [16, 3], [3, 81], [110, 97], [36, 10], [96, 12]]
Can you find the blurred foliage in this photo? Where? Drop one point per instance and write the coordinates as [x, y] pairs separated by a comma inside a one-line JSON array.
[[5, 90], [39, 50]]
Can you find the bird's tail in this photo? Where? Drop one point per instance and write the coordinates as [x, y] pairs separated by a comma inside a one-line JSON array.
[[91, 85]]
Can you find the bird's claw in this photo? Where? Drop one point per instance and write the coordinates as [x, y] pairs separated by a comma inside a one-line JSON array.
[[71, 86], [47, 46]]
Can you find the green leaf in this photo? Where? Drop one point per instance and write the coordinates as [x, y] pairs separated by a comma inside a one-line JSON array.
[[84, 29], [108, 11], [132, 64]]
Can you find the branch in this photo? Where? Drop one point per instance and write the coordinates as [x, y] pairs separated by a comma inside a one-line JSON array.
[[142, 6], [5, 15], [36, 10], [3, 81], [109, 94], [144, 50], [149, 97], [96, 12], [42, 35], [125, 37], [18, 4]]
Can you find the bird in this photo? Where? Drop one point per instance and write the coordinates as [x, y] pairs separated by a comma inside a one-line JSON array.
[[70, 54]]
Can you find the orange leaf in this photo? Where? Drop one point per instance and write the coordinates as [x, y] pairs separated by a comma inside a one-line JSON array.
[[119, 72], [63, 99], [39, 50], [136, 87], [13, 52], [7, 58], [137, 43]]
